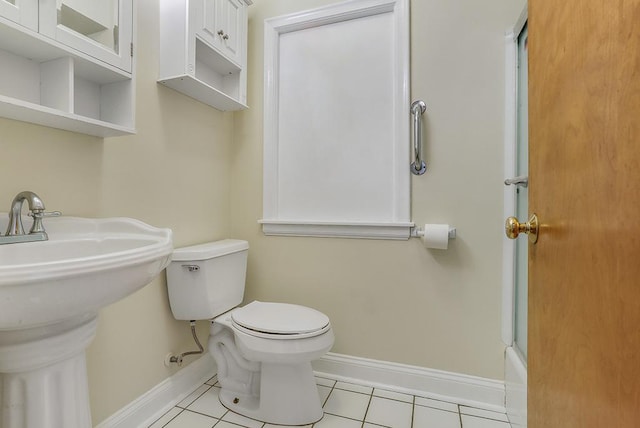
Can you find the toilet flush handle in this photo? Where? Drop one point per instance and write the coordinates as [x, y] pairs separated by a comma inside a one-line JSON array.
[[191, 268]]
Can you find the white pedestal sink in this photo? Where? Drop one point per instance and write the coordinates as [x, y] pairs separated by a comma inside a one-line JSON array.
[[50, 296]]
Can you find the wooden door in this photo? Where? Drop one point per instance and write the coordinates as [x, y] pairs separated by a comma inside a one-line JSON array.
[[584, 272]]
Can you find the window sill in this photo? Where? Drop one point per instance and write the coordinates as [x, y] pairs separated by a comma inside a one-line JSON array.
[[396, 231]]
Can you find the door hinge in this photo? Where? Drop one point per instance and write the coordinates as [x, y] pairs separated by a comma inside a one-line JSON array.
[[131, 50]]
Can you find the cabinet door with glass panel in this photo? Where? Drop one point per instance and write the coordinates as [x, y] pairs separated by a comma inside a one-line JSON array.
[[23, 12], [99, 28]]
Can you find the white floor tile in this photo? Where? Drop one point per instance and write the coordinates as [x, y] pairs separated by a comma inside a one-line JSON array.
[[436, 404], [223, 424], [237, 419], [427, 417], [209, 404], [475, 422], [354, 387], [393, 395], [323, 392], [331, 421], [391, 413], [189, 419], [348, 404], [166, 418], [193, 396], [488, 414]]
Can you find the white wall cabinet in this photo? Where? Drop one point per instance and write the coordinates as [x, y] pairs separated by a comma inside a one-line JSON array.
[[203, 50], [102, 29], [23, 12], [68, 64], [219, 23]]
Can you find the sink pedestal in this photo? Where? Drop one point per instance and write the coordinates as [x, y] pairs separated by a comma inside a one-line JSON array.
[[43, 376], [50, 295]]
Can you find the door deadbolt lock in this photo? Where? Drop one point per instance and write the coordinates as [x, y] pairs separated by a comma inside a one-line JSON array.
[[513, 228]]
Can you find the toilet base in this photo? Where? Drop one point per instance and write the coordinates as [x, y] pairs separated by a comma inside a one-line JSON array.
[[288, 396]]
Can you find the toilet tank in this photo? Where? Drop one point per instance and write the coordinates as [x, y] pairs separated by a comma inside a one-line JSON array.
[[207, 280]]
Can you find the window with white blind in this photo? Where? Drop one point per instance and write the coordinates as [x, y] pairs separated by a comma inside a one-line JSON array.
[[336, 122]]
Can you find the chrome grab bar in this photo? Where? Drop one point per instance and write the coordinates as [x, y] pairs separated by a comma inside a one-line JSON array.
[[418, 167]]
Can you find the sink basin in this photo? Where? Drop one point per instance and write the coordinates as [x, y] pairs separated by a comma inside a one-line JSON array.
[[85, 265], [50, 295]]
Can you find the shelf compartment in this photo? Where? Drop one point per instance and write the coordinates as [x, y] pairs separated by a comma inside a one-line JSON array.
[[203, 92], [25, 111], [34, 46], [216, 80], [52, 93]]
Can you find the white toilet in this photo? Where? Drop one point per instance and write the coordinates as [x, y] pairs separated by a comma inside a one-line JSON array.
[[263, 350]]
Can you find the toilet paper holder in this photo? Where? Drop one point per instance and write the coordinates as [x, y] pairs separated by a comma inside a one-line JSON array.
[[418, 232], [435, 236]]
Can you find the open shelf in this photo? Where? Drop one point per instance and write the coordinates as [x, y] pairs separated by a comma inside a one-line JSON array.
[[205, 57], [47, 83], [216, 80], [25, 111]]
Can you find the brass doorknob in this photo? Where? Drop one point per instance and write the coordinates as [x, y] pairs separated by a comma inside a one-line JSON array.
[[513, 228]]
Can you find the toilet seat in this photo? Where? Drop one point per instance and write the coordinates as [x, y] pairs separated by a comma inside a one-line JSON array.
[[279, 320]]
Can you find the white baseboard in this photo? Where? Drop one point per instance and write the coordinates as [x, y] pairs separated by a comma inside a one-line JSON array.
[[458, 388], [472, 391], [147, 408]]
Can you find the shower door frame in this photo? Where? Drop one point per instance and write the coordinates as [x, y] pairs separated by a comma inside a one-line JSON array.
[[515, 367]]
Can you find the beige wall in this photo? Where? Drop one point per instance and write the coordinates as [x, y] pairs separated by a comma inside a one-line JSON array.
[[199, 172], [396, 301]]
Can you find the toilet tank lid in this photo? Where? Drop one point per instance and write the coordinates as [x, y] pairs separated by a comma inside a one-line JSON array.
[[209, 250]]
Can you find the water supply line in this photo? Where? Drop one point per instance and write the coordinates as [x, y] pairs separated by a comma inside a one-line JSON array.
[[179, 358]]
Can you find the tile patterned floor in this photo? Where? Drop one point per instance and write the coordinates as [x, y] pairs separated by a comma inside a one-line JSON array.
[[346, 405]]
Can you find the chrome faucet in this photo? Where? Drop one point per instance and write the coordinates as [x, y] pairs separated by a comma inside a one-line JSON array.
[[15, 230]]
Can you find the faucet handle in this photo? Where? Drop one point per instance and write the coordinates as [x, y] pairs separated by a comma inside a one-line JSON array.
[[38, 215], [42, 214]]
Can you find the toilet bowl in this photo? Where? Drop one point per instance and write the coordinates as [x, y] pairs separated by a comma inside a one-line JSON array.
[[263, 350], [269, 347]]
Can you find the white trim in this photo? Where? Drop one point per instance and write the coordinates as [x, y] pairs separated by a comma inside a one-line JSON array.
[[459, 388], [329, 14], [150, 406], [516, 388], [509, 197], [521, 22], [400, 231], [510, 142], [515, 369]]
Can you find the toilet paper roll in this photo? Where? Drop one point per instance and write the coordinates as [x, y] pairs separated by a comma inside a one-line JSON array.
[[436, 236]]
